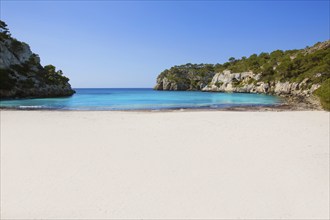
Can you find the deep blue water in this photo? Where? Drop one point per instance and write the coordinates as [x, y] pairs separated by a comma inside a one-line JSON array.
[[142, 99]]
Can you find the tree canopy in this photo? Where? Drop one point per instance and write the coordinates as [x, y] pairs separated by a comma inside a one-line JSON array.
[[4, 31]]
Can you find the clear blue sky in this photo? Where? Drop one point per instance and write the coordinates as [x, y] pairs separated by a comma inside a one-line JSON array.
[[127, 44]]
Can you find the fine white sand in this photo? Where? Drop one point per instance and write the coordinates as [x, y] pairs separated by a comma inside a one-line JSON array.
[[207, 164]]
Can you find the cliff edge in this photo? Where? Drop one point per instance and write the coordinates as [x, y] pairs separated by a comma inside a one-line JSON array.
[[22, 75], [300, 75]]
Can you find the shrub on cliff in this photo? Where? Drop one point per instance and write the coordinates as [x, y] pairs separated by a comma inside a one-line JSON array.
[[324, 94], [16, 46], [291, 65], [53, 76], [22, 75], [188, 76]]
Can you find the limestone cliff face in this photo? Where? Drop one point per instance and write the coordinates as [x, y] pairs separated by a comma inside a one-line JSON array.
[[13, 53], [297, 74], [249, 82], [165, 83], [185, 77], [22, 76]]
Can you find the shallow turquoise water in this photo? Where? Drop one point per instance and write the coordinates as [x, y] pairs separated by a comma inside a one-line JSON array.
[[140, 99]]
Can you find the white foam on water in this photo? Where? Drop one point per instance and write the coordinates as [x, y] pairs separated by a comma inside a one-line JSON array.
[[30, 106]]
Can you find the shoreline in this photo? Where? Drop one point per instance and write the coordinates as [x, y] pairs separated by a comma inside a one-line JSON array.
[[279, 108], [288, 103]]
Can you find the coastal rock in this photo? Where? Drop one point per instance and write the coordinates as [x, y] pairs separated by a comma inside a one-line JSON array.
[[166, 84], [246, 82], [22, 76], [185, 77], [292, 73], [13, 52]]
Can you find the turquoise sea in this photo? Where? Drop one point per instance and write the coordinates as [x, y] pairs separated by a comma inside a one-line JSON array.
[[142, 99]]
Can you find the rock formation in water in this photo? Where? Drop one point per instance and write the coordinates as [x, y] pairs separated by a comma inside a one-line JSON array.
[[186, 77], [293, 73], [22, 75]]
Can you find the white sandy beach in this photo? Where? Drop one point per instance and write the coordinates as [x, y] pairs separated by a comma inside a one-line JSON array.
[[204, 164]]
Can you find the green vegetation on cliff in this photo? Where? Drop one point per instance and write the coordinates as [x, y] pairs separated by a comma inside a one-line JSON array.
[[307, 67], [324, 94], [187, 77], [291, 65], [22, 75]]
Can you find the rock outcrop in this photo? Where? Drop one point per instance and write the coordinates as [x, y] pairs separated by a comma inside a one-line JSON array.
[[21, 74], [248, 82], [296, 74], [168, 84], [186, 77]]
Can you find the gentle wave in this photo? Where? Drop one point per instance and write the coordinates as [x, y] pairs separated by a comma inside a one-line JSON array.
[[30, 106]]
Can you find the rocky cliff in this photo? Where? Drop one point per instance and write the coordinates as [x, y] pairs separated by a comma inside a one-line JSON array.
[[294, 73], [248, 82], [22, 75], [185, 77]]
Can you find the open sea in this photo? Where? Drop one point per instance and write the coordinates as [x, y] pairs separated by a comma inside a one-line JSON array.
[[142, 99]]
